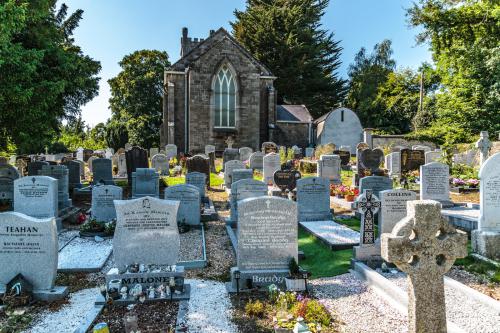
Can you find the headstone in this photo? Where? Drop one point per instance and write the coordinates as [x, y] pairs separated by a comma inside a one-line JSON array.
[[61, 173], [145, 182], [198, 180], [239, 174], [103, 207], [153, 152], [102, 170], [244, 189], [21, 166], [309, 152], [36, 196], [229, 142], [424, 246], [199, 163], [433, 156], [371, 159], [136, 158], [484, 146], [421, 147], [90, 161], [257, 160], [360, 172], [230, 154], [190, 201], [271, 164], [74, 174], [297, 152], [128, 146], [209, 149], [267, 239], [375, 183], [435, 183], [160, 163], [7, 176], [286, 179], [122, 165], [486, 239], [35, 166], [393, 208], [228, 171], [28, 246], [245, 153], [394, 164], [411, 159], [345, 156], [146, 232], [269, 147], [171, 151], [367, 205], [109, 152], [329, 167], [79, 154], [313, 199]]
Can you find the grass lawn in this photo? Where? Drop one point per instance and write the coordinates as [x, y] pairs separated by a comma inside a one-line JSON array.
[[214, 180], [320, 260], [352, 223], [476, 266]]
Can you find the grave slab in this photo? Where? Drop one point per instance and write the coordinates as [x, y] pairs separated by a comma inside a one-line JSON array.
[[333, 234], [84, 255]]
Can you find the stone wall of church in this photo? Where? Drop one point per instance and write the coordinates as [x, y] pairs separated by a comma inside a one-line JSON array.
[[290, 134]]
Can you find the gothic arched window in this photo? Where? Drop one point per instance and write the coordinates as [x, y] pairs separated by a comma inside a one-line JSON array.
[[225, 98]]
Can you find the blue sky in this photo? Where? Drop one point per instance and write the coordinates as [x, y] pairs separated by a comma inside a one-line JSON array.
[[111, 29]]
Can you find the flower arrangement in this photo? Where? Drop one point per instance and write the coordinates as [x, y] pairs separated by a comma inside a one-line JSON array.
[[343, 191], [458, 182]]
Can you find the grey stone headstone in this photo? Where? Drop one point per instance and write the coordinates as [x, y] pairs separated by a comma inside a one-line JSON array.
[[393, 208], [395, 163], [74, 173], [90, 161], [109, 152], [329, 167], [209, 149], [35, 166], [153, 151], [122, 165], [7, 176], [245, 189], [102, 170], [79, 154], [271, 163], [435, 182], [59, 172], [103, 196], [228, 171], [146, 232], [190, 201], [245, 153], [199, 163], [198, 180], [28, 246], [171, 151], [230, 154], [433, 156], [36, 196], [313, 199], [239, 174], [267, 233], [257, 160], [145, 182], [269, 147], [375, 183], [136, 158], [160, 163]]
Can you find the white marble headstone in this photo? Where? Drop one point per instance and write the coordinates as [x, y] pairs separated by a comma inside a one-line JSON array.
[[36, 196]]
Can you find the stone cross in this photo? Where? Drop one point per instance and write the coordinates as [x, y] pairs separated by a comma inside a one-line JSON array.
[[424, 246], [484, 146], [229, 142], [367, 205]]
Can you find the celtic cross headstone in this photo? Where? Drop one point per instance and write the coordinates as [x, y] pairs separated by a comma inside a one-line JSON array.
[[484, 146]]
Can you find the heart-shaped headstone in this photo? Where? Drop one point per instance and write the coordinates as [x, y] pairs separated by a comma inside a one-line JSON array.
[[371, 159]]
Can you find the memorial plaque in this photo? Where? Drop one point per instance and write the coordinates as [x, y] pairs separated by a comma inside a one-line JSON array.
[[190, 201], [313, 199], [36, 196], [146, 232]]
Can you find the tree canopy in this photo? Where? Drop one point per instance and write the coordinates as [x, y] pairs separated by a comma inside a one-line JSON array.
[[44, 76], [288, 37], [136, 99]]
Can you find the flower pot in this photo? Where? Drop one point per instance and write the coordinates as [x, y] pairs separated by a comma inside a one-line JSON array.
[[295, 284], [349, 198]]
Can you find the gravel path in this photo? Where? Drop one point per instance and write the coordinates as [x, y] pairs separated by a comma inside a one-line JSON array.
[[359, 307], [468, 314], [69, 317], [209, 308], [191, 245]]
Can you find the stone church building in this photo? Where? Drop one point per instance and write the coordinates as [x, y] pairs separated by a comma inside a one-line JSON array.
[[217, 90]]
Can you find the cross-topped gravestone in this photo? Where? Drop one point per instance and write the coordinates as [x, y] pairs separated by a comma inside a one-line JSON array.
[[484, 145], [229, 142], [367, 205], [424, 246]]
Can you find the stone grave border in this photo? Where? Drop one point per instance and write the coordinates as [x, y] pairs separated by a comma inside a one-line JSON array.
[[330, 245], [200, 263]]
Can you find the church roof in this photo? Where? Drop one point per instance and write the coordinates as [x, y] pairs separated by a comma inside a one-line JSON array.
[[293, 113], [205, 45]]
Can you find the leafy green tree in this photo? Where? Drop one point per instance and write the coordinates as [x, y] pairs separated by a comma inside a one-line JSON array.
[[44, 76], [136, 99], [366, 75], [464, 37], [116, 135], [288, 37]]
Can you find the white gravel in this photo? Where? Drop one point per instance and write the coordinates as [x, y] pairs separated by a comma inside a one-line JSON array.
[[209, 308], [468, 314], [84, 253], [359, 307], [332, 232], [65, 237], [68, 318]]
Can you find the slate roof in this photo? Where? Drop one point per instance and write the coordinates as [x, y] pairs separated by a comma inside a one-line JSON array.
[[293, 113], [204, 46]]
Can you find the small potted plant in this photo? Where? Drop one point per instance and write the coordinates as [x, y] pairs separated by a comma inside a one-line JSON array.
[[351, 194], [295, 281]]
